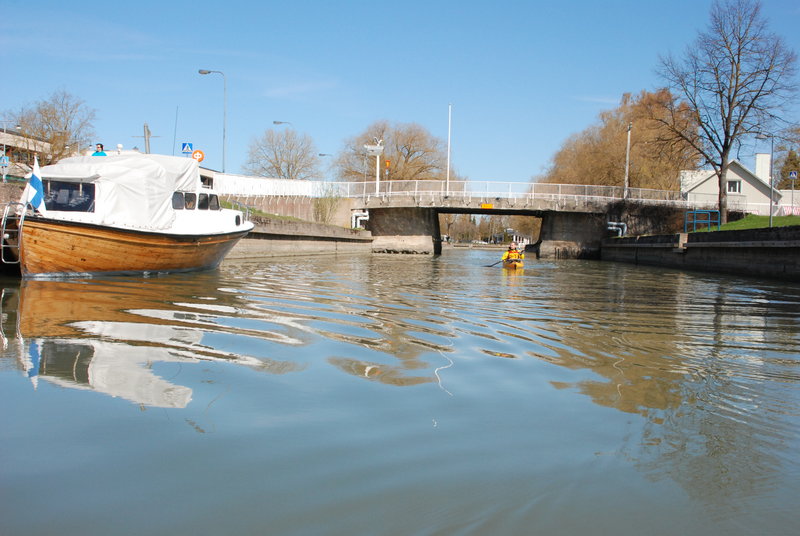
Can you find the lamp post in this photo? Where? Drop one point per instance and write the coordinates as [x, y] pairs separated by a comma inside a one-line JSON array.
[[323, 155], [376, 150], [762, 136], [224, 109], [449, 123], [281, 123], [627, 161]]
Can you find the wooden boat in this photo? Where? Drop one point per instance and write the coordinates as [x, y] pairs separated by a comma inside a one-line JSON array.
[[129, 213], [513, 264]]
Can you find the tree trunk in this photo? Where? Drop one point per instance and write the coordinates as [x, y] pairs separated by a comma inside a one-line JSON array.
[[723, 192]]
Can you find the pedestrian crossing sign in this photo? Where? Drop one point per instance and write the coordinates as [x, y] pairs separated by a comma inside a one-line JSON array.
[[187, 148]]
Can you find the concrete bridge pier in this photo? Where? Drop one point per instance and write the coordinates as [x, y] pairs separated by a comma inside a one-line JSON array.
[[571, 235], [405, 230]]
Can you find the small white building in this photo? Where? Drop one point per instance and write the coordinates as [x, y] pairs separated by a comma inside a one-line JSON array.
[[747, 191]]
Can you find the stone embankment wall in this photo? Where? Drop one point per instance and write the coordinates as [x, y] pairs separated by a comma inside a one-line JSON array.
[[773, 253], [576, 235], [277, 238]]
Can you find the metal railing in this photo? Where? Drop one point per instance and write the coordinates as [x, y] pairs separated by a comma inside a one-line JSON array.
[[449, 192], [486, 189]]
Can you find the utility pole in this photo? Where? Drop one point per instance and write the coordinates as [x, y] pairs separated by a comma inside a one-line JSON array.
[[147, 136], [449, 122], [627, 161]]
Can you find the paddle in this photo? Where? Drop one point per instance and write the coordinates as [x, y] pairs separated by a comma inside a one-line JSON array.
[[518, 259]]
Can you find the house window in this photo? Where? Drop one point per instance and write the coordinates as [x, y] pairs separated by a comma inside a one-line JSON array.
[[734, 187]]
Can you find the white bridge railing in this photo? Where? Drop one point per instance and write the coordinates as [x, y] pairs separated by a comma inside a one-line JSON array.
[[253, 186], [449, 192]]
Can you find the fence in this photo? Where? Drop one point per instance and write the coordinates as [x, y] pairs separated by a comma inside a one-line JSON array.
[[454, 190]]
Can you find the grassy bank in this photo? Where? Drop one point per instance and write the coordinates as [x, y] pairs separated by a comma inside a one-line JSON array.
[[758, 222]]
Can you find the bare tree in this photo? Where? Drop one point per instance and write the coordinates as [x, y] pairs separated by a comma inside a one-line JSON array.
[[411, 151], [735, 81], [56, 127], [283, 154]]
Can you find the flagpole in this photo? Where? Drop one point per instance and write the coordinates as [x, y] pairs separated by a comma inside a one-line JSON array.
[[449, 122]]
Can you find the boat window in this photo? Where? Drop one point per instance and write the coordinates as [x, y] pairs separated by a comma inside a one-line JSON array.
[[213, 202], [177, 200], [69, 196], [191, 201], [202, 202]]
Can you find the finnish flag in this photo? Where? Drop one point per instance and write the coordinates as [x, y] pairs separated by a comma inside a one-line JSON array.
[[34, 191]]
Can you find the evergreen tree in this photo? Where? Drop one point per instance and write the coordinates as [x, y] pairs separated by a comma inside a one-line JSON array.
[[790, 163]]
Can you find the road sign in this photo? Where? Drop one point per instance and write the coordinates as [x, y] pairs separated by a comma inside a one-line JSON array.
[[793, 175], [198, 155], [186, 148], [4, 161]]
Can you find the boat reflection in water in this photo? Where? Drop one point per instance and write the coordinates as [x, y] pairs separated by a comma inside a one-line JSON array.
[[111, 368], [111, 337]]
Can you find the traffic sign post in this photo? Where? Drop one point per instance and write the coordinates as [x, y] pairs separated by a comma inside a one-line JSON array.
[[4, 164], [186, 148]]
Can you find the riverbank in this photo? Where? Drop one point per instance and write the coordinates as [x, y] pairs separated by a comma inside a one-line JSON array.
[[282, 238], [767, 252]]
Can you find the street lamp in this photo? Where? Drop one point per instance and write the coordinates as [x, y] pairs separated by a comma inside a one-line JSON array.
[[376, 150], [281, 123], [324, 154], [449, 123], [627, 161], [762, 136], [224, 109]]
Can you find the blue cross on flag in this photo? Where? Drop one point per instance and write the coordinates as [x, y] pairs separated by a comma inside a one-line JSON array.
[[34, 191]]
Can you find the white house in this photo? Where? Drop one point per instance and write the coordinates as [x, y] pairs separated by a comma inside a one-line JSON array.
[[747, 191]]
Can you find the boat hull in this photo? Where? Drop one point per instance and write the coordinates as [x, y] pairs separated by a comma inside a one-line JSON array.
[[513, 265], [62, 248]]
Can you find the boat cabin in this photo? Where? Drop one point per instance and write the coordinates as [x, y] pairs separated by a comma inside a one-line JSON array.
[[136, 191]]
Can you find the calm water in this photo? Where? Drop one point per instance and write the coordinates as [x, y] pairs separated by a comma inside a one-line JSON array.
[[401, 395]]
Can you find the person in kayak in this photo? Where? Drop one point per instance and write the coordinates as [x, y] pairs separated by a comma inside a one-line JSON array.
[[513, 254]]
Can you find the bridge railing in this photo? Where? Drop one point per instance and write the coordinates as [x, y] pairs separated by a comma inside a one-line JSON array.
[[494, 190], [439, 190]]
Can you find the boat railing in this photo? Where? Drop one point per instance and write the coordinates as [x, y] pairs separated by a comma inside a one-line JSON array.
[[11, 232], [244, 208]]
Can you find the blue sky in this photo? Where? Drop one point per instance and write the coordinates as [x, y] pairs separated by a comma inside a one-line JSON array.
[[521, 76]]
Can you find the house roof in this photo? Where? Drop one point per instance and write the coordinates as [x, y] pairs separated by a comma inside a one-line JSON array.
[[692, 179]]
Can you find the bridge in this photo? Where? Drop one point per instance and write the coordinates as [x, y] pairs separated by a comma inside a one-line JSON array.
[[403, 214]]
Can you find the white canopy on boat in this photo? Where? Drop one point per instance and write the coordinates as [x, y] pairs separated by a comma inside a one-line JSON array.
[[132, 190]]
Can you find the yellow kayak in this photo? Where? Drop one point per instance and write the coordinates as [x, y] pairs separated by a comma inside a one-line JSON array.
[[513, 264]]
